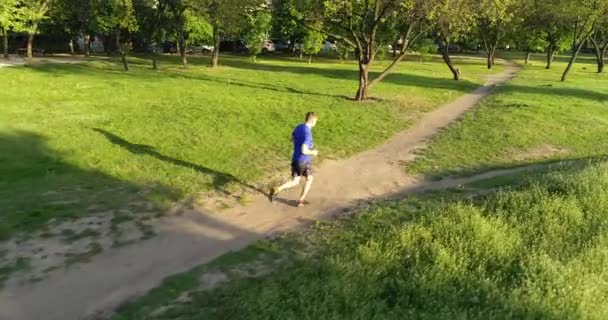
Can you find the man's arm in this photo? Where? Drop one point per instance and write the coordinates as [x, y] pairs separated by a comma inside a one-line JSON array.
[[308, 152]]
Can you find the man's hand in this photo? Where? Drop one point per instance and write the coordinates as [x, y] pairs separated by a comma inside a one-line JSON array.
[[309, 152]]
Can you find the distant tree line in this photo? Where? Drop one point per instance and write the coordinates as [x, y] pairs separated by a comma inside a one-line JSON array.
[[363, 27]]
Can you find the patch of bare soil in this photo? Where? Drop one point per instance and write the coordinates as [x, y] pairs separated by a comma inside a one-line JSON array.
[[542, 151], [61, 245]]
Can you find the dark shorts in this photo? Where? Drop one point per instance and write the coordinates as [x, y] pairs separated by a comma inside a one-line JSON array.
[[299, 169]]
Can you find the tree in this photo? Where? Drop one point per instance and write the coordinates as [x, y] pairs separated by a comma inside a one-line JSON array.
[[118, 16], [151, 16], [366, 25], [525, 32], [425, 49], [225, 18], [584, 18], [257, 27], [8, 19], [197, 29], [312, 43], [599, 39], [548, 18], [76, 19], [493, 19], [31, 13], [286, 22], [452, 20], [177, 13]]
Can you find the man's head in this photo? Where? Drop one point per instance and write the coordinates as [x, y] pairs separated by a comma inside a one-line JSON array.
[[311, 119]]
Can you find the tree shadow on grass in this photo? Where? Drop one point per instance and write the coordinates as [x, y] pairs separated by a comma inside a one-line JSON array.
[[339, 74], [572, 162], [549, 90], [220, 179], [38, 186], [149, 75], [353, 74]]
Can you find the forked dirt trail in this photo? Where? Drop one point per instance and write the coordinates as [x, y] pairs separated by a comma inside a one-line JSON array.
[[195, 237]]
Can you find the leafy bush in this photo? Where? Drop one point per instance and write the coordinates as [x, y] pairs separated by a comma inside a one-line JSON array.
[[425, 48]]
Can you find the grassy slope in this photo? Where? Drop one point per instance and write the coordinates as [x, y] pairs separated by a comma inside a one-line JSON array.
[[531, 111], [538, 251], [533, 250], [89, 137]]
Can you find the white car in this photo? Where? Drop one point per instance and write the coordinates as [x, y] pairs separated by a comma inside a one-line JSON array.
[[268, 46], [207, 48], [329, 46]]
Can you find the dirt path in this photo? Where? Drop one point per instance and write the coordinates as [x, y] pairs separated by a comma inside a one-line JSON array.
[[16, 61], [195, 237]]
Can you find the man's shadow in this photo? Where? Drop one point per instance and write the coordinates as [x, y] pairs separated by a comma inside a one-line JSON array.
[[219, 179]]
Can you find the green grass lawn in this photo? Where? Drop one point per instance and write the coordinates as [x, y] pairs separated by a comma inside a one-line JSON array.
[[89, 137], [534, 118], [525, 246], [535, 251]]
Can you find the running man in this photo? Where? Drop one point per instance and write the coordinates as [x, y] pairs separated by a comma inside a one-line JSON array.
[[301, 162]]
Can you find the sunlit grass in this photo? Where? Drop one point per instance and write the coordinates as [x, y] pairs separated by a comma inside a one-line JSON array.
[[87, 137], [531, 119], [537, 251]]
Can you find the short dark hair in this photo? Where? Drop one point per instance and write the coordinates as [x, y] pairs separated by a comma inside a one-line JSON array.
[[310, 115]]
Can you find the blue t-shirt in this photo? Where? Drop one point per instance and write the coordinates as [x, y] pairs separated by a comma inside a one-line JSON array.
[[301, 135]]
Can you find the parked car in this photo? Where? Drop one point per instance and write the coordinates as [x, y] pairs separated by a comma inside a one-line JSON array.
[[281, 45], [454, 48], [329, 46], [35, 52], [202, 49], [207, 48], [173, 49], [268, 46], [236, 46], [154, 48]]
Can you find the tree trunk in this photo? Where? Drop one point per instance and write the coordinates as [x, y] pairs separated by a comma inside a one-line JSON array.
[[572, 60], [30, 41], [528, 54], [310, 59], [71, 44], [363, 81], [215, 56], [600, 66], [183, 53], [184, 57], [599, 55], [391, 66], [122, 52], [155, 58], [125, 63], [550, 54], [446, 57], [490, 58], [87, 45], [107, 43], [118, 47], [5, 43]]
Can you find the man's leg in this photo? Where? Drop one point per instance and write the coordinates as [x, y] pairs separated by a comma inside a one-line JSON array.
[[294, 182], [305, 190]]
